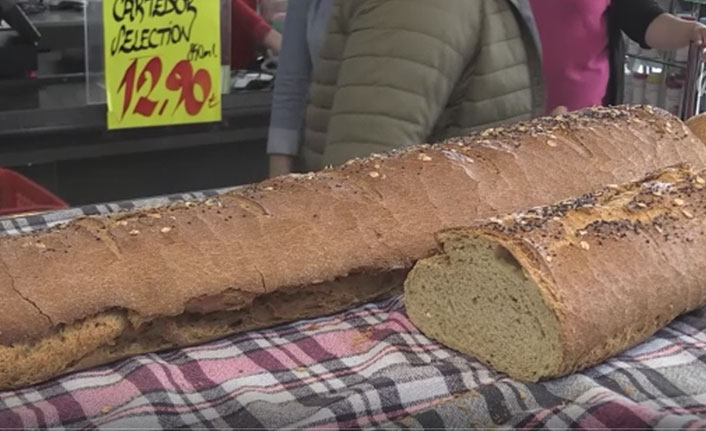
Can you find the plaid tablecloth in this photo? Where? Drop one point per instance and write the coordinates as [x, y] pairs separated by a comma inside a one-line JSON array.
[[365, 368]]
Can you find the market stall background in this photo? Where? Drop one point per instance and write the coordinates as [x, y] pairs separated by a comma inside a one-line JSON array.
[[50, 132]]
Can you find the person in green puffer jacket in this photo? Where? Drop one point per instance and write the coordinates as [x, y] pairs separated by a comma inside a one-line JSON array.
[[395, 73]]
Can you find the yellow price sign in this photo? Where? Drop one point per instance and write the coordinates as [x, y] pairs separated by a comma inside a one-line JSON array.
[[162, 62]]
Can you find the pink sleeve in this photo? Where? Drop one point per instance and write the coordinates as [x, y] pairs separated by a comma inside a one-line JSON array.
[[252, 22]]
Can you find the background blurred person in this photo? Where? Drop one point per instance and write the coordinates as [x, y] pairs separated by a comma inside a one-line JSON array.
[[249, 32], [583, 51], [305, 27], [395, 73]]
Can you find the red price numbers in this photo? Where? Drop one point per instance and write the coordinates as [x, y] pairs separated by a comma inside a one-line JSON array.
[[181, 78]]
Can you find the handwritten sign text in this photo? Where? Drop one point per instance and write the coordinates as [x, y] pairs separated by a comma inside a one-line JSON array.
[[162, 62]]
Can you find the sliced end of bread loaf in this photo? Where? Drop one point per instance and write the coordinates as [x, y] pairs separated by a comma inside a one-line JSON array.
[[476, 298], [555, 289]]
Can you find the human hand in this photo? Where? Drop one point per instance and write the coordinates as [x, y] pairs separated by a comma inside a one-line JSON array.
[[281, 164], [697, 36], [669, 33], [273, 41]]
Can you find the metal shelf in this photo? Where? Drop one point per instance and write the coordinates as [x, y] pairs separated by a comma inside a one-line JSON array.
[[693, 69], [679, 65]]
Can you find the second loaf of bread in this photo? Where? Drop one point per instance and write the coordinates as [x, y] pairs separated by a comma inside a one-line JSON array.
[[551, 290], [102, 288]]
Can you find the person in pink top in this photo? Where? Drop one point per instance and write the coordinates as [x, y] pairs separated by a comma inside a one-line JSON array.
[[582, 45]]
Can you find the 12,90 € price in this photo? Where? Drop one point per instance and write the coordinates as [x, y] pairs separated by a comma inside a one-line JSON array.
[[192, 86]]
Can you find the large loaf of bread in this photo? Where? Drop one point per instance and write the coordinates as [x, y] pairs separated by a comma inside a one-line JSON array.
[[552, 290], [103, 288]]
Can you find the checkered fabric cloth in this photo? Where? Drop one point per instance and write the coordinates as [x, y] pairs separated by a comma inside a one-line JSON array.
[[365, 368]]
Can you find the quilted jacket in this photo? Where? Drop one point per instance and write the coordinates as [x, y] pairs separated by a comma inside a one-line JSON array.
[[394, 73]]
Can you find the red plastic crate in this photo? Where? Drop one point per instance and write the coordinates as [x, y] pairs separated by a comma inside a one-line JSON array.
[[19, 195]]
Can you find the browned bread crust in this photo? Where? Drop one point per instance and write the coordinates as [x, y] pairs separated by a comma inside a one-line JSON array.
[[697, 124], [215, 260], [592, 276]]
